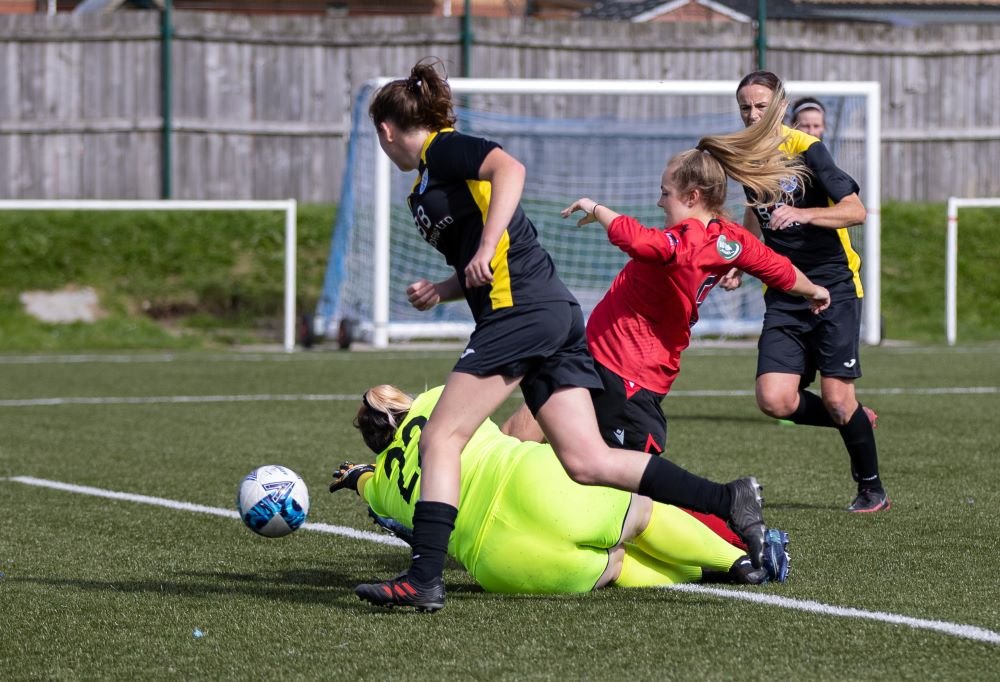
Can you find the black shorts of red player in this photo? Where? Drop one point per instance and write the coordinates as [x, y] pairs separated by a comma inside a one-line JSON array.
[[629, 417]]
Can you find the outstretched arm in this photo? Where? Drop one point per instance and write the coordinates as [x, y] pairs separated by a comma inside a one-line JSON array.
[[733, 279], [777, 271], [593, 212], [628, 234], [819, 297], [353, 476]]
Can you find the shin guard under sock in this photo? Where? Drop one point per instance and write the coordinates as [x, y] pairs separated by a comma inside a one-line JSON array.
[[432, 526], [665, 482], [859, 438]]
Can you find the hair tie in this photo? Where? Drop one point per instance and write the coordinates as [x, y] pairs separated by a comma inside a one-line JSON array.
[[364, 399], [413, 84]]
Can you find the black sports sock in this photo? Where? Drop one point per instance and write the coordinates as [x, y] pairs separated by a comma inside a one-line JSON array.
[[666, 482], [432, 526], [811, 411], [859, 438]]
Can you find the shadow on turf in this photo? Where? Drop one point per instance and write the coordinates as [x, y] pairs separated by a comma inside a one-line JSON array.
[[726, 418], [328, 585], [330, 588], [802, 506]]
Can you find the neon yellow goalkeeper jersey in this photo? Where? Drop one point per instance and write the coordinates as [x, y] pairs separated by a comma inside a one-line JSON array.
[[523, 525]]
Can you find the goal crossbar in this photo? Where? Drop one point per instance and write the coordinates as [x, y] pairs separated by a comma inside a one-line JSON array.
[[872, 196], [286, 206]]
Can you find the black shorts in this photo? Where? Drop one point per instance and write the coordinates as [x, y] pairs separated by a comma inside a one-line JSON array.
[[635, 423], [798, 342], [545, 343]]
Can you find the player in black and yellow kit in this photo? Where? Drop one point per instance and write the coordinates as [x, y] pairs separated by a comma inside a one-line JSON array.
[[529, 332], [794, 344], [524, 526]]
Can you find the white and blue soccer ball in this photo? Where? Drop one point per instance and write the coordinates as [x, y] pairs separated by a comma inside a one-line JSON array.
[[273, 501]]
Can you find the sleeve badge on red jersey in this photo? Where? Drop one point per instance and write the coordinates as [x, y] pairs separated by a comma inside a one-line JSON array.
[[728, 249]]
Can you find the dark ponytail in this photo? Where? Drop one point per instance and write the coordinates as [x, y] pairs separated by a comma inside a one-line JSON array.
[[422, 100]]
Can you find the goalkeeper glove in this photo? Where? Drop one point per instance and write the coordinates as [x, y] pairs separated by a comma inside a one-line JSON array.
[[347, 475]]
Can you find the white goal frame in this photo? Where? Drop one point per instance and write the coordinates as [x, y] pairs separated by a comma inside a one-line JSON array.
[[383, 330], [951, 261], [287, 206]]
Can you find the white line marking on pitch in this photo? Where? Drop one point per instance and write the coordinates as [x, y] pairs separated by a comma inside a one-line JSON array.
[[944, 390], [954, 629], [118, 359], [149, 358], [159, 399], [341, 397], [343, 531]]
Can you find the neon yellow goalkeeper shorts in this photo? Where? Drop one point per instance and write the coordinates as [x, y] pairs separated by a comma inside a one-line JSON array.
[[544, 533]]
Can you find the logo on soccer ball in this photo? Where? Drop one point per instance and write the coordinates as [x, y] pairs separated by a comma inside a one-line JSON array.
[[727, 249], [278, 490]]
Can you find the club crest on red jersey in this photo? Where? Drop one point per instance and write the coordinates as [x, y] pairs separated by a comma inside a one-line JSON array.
[[727, 249]]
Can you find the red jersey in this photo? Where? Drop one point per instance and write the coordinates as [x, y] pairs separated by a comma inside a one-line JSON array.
[[643, 323]]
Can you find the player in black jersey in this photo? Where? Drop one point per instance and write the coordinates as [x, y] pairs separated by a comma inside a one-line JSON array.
[[793, 345], [529, 332]]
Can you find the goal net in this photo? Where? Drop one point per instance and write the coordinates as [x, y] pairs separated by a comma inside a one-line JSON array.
[[608, 140]]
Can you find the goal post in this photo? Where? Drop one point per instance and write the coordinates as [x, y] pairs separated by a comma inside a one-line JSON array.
[[286, 206], [951, 261], [632, 110]]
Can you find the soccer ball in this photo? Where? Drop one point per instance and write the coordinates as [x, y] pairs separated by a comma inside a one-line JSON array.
[[273, 501]]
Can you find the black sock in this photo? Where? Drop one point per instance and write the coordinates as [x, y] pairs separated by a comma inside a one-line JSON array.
[[666, 482], [859, 438], [811, 411], [432, 526]]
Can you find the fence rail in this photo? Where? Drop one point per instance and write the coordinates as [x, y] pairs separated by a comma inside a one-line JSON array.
[[261, 105]]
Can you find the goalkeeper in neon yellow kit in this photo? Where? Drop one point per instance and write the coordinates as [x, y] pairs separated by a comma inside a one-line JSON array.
[[523, 525]]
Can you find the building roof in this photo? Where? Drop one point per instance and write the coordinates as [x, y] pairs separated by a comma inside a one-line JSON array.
[[910, 12]]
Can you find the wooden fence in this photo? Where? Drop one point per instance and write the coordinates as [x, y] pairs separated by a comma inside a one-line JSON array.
[[261, 106]]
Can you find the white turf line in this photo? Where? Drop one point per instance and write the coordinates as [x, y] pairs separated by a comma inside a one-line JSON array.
[[278, 355], [954, 629], [341, 397], [198, 508]]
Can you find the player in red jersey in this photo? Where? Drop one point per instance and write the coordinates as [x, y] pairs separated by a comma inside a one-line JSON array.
[[637, 332]]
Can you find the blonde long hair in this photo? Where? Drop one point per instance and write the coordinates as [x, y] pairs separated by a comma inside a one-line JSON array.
[[751, 157], [383, 409]]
